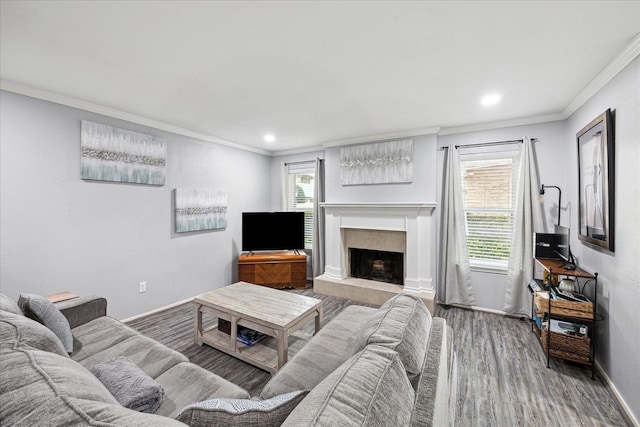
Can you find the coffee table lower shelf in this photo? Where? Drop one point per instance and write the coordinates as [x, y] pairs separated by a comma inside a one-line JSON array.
[[258, 355]]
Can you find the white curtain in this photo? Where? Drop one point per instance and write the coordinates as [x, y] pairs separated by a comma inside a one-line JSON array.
[[317, 254], [527, 220], [454, 284], [284, 178]]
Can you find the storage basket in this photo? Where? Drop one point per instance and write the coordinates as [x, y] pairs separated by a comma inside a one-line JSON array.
[[561, 307], [567, 347]]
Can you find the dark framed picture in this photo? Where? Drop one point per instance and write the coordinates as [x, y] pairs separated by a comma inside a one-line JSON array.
[[596, 162]]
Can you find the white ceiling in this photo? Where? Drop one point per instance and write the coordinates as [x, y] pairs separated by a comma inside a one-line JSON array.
[[313, 73]]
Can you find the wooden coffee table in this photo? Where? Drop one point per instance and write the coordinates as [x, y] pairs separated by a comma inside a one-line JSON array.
[[273, 312]]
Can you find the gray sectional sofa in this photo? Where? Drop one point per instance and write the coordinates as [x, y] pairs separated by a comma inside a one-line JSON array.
[[369, 367]]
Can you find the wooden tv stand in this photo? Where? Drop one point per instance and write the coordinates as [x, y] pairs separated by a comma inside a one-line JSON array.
[[273, 269]]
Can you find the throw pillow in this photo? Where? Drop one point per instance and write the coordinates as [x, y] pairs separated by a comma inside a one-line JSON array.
[[241, 412], [41, 309], [129, 384], [7, 304]]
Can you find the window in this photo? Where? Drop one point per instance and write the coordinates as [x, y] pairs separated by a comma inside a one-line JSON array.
[[488, 183], [300, 188]]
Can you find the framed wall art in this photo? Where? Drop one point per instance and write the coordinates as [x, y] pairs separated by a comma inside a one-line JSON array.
[[198, 210], [596, 163], [112, 154], [380, 163]]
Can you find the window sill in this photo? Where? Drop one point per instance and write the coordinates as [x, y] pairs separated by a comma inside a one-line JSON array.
[[488, 267]]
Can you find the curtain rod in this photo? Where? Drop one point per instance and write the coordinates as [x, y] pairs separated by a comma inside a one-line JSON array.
[[301, 162], [486, 144]]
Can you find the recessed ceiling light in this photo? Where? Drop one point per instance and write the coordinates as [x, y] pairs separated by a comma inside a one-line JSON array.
[[269, 138], [490, 100]]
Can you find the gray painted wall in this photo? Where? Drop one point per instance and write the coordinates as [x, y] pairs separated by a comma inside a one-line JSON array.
[[60, 233], [618, 280]]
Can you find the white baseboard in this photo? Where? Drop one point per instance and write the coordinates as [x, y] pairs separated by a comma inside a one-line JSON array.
[[157, 310], [484, 310], [617, 396]]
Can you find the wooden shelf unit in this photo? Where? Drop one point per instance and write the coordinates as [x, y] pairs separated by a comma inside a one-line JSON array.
[[553, 269], [273, 269]]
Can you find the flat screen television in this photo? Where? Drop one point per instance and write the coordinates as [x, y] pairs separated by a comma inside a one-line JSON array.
[[264, 231], [562, 242]]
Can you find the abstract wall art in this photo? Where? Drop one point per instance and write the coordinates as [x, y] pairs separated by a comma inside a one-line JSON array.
[[380, 163], [200, 210], [112, 154]]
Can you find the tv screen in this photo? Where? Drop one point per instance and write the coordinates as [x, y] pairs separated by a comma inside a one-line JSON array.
[[262, 231], [562, 242]]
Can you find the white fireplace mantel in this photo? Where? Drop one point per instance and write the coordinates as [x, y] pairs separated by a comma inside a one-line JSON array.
[[413, 218]]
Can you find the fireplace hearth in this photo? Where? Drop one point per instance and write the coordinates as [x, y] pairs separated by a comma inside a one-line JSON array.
[[381, 266]]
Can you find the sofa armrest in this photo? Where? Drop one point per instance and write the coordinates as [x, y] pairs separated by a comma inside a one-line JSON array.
[[79, 311]]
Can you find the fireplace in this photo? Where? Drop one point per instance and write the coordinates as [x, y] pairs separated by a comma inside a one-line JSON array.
[[407, 229], [381, 266]]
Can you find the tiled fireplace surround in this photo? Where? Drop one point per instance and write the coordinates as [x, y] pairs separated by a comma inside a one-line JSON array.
[[408, 228]]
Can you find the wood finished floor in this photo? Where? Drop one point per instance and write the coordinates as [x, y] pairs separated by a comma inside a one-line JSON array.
[[502, 376]]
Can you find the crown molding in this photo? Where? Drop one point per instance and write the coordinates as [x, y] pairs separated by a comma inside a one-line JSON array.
[[301, 150], [624, 58], [544, 118], [379, 137], [69, 101]]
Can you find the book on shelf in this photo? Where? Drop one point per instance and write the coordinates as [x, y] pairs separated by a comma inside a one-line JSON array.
[[249, 336]]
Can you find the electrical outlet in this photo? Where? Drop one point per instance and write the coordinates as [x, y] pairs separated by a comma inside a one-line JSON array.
[[143, 287]]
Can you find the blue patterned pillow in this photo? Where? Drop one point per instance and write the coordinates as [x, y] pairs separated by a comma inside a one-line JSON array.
[[241, 412], [41, 309]]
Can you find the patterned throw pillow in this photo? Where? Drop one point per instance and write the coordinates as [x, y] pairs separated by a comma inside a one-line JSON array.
[[41, 309], [241, 412], [129, 384]]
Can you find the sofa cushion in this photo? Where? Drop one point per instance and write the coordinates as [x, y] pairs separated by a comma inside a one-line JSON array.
[[244, 412], [131, 387], [370, 389], [30, 378], [401, 324], [7, 304], [432, 393], [18, 331], [186, 383], [105, 338], [39, 308], [327, 350], [98, 335]]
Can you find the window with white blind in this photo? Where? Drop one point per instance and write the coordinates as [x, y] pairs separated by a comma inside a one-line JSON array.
[[300, 189], [489, 191]]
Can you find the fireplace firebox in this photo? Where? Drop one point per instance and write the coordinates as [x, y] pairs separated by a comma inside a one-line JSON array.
[[381, 266]]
